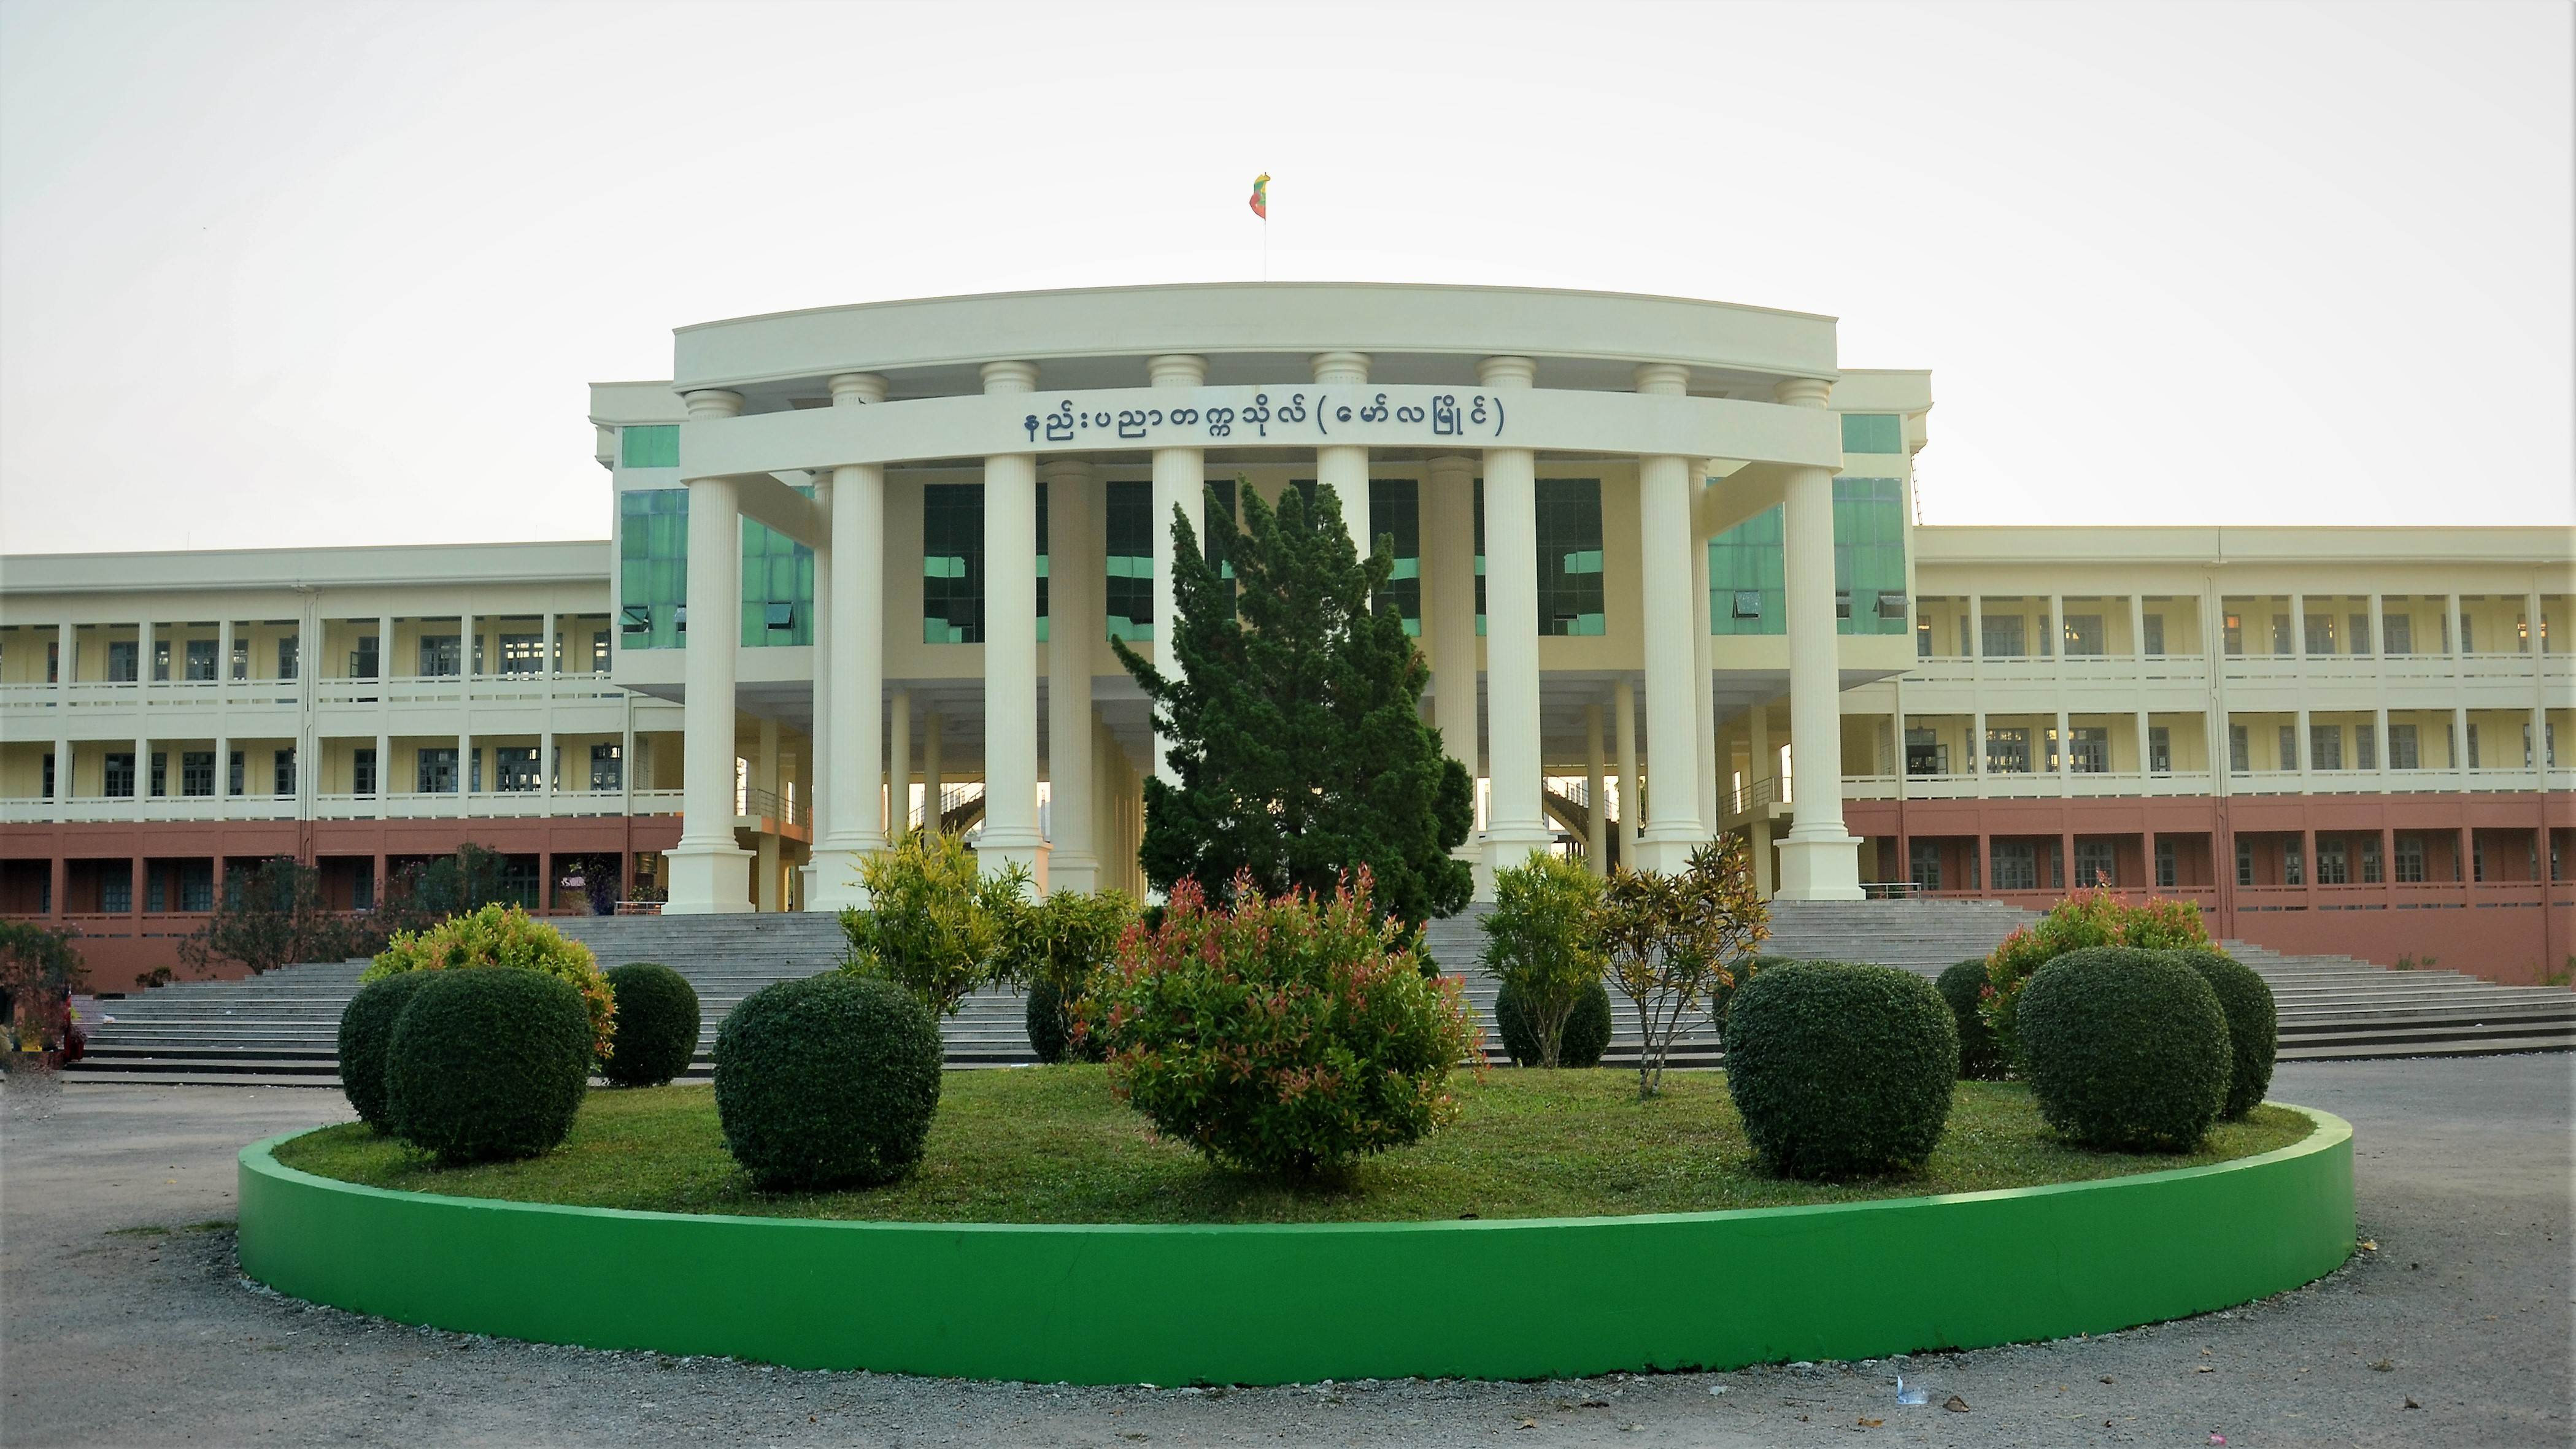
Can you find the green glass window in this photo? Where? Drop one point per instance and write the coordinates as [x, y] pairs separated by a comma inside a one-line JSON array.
[[1746, 593], [1569, 556], [1745, 580], [657, 447], [777, 587], [952, 563], [1480, 558], [652, 567], [1395, 508], [1043, 545], [1873, 433], [1129, 595]]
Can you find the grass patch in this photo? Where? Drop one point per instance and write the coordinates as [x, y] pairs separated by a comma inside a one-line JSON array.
[[156, 1230], [1052, 1145]]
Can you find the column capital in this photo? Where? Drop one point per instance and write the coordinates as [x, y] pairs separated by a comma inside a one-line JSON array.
[[1010, 377], [1506, 372], [1064, 470], [1801, 392], [713, 403], [855, 389], [1663, 379], [1451, 466], [1176, 369], [1342, 367]]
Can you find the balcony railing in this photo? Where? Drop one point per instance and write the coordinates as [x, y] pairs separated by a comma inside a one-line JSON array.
[[2009, 785]]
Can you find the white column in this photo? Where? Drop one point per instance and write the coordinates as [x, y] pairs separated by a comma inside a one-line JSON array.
[[1820, 861], [710, 874], [1076, 540], [933, 780], [1011, 645], [224, 651], [1671, 658], [1623, 716], [2064, 766], [1515, 826], [2299, 632], [1345, 470], [1449, 560], [1766, 766], [465, 670], [1180, 479], [849, 661], [1596, 848], [2137, 627], [899, 765], [764, 780], [1703, 662]]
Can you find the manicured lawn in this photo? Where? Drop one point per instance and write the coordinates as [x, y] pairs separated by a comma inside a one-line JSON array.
[[1052, 1145]]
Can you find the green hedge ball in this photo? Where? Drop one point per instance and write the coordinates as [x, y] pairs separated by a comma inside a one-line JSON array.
[[2126, 1049], [1981, 1057], [2253, 1024], [366, 1034], [1587, 1031], [827, 1082], [488, 1063], [1840, 1070], [657, 1025]]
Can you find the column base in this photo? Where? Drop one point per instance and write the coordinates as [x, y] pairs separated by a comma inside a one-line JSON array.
[[1668, 856], [709, 881], [1066, 871], [1819, 870], [832, 879], [1507, 848], [1473, 852]]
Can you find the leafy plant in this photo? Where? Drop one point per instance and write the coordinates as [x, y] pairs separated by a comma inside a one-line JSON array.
[[1294, 721], [506, 936], [487, 1065], [2086, 919], [1285, 1036], [1586, 1036], [39, 968], [1841, 1070], [657, 1025], [935, 926], [827, 1081], [1963, 986], [1542, 941], [424, 893], [1667, 935], [1055, 947], [272, 915], [2126, 1049]]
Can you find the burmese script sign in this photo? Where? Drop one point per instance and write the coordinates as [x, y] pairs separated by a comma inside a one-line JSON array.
[[1365, 414]]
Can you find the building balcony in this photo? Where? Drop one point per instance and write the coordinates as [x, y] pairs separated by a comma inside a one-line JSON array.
[[126, 809], [2094, 784], [495, 805]]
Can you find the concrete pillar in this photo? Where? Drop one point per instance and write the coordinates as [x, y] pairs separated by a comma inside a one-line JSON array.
[[849, 656], [1516, 826], [1820, 861], [1664, 492], [933, 782], [1623, 717], [1703, 661], [1596, 846], [898, 805], [1341, 468], [1076, 563], [709, 873], [1180, 479], [1449, 548], [772, 814], [1011, 834]]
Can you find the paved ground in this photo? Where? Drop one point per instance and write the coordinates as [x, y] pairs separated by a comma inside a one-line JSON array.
[[123, 1320]]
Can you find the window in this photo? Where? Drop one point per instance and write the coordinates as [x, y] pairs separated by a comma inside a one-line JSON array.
[[2357, 633], [282, 769], [649, 447], [2083, 634], [2096, 863], [2007, 751], [607, 768], [196, 773], [237, 773], [53, 663], [2294, 866], [1873, 433], [2473, 746], [952, 563], [1480, 559], [1569, 556], [2168, 871], [286, 657], [1395, 509], [2244, 861], [241, 659], [653, 566], [1924, 865], [2410, 859], [116, 893], [362, 772], [196, 885], [1923, 639], [2003, 637], [436, 772], [2333, 861], [441, 655], [2466, 635], [1925, 754], [2397, 633], [2370, 860], [2282, 641], [523, 654], [160, 661], [2240, 750], [2401, 748], [2088, 750], [160, 774], [1869, 550], [2016, 866], [2321, 634], [2159, 750], [2365, 746], [778, 585], [2325, 747], [516, 768], [119, 784], [47, 787], [201, 660], [1128, 598], [2152, 634], [120, 662], [363, 660], [2234, 630], [2287, 747]]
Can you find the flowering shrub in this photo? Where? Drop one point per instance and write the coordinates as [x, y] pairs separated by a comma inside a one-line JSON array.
[[499, 935], [2081, 921], [1283, 1036]]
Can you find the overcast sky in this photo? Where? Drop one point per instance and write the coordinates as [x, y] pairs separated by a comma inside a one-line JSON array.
[[338, 274]]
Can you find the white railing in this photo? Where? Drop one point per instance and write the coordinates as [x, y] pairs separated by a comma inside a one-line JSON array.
[[98, 809], [2085, 785]]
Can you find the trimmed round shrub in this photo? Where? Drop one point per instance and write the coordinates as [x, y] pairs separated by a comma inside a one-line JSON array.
[[1981, 1057], [366, 1034], [1720, 994], [1051, 1016], [657, 1025], [1840, 1070], [827, 1082], [2126, 1049], [1587, 1031], [487, 1065], [2253, 1025], [504, 935]]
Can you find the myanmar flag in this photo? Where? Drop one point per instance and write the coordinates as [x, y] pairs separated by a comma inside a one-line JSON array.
[[1261, 196]]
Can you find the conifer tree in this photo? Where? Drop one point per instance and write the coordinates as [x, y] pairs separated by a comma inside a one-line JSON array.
[[1294, 720]]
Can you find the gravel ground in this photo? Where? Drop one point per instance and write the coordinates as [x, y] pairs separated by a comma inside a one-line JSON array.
[[123, 1320]]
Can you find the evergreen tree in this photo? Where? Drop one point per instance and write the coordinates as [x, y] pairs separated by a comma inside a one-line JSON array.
[[1295, 720]]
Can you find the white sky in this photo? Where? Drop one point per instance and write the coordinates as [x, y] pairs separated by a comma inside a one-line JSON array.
[[313, 274]]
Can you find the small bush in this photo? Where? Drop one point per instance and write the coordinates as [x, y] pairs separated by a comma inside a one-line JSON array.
[[1055, 1027], [1287, 1036], [1980, 1058], [1542, 941], [2253, 1025], [2126, 1049], [826, 1082], [501, 935], [366, 1035], [1841, 1070], [2084, 919], [936, 925], [1054, 947], [657, 1025], [1587, 1029], [487, 1065]]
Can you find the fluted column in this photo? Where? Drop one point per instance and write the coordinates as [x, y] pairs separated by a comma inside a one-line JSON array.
[[1344, 469], [1623, 715], [1515, 827], [1449, 558], [1596, 845], [1011, 832], [1672, 721], [710, 874], [1820, 861], [1180, 479], [849, 668], [1076, 528], [898, 803]]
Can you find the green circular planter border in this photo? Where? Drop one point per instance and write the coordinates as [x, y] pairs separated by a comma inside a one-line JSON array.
[[1260, 1303]]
